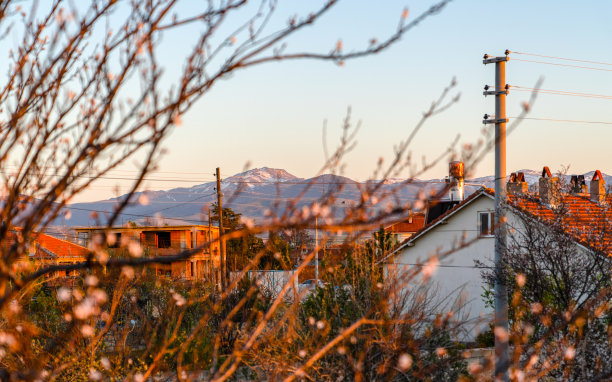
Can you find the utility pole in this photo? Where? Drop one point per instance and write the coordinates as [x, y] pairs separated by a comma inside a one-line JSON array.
[[221, 238], [316, 252], [502, 360], [210, 258]]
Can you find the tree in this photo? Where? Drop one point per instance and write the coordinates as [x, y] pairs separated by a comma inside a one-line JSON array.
[[560, 289], [241, 250], [85, 92], [299, 241]]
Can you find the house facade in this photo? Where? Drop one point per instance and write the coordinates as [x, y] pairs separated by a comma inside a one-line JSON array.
[[167, 241], [463, 237]]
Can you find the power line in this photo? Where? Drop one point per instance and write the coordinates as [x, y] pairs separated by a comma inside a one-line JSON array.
[[128, 214], [183, 203], [564, 120], [179, 180], [151, 172], [563, 58], [226, 181], [445, 265], [566, 94], [561, 92], [567, 65]]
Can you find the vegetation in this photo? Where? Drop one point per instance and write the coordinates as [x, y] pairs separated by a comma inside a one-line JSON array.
[[85, 93], [560, 295]]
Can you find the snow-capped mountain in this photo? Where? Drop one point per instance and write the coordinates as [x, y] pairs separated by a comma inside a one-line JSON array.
[[256, 192]]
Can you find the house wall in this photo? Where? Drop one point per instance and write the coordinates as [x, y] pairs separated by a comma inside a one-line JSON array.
[[203, 265], [457, 275]]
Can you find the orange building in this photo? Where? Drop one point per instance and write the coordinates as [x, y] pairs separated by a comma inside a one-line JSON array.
[[167, 241], [48, 250]]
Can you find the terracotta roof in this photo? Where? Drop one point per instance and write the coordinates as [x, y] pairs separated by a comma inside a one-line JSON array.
[[59, 248], [47, 245], [587, 222], [417, 223]]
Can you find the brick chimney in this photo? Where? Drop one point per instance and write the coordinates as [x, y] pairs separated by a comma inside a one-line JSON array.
[[549, 188], [598, 188], [578, 185], [517, 185]]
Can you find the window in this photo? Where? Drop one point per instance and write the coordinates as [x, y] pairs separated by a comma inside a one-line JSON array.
[[83, 238], [486, 223], [117, 242], [163, 240]]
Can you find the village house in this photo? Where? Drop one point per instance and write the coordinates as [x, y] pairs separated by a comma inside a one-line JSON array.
[[463, 236], [48, 250], [167, 241], [404, 229]]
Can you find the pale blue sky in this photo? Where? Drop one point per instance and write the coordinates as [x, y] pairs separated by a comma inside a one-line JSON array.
[[273, 115]]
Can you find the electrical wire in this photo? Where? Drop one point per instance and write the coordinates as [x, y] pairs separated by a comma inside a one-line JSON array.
[[443, 265], [561, 92], [128, 214], [201, 181], [183, 203], [563, 58], [564, 120], [567, 65]]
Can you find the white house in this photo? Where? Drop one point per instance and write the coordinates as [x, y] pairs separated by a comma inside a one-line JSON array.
[[463, 235]]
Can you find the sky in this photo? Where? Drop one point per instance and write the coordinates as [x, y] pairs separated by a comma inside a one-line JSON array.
[[273, 115]]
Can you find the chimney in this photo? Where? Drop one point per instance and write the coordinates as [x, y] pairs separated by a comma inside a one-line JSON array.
[[517, 185], [578, 185], [598, 188], [549, 188], [455, 178]]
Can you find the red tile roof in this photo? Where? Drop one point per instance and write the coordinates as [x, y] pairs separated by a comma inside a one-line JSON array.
[[417, 223], [58, 247], [587, 222], [47, 245]]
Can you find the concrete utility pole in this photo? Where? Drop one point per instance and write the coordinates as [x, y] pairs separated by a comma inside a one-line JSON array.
[[502, 359], [221, 238], [210, 264], [316, 252]]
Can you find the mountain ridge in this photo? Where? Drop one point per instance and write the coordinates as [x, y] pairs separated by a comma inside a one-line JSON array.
[[256, 192]]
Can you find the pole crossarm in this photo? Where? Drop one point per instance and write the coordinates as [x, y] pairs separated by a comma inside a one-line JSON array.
[[491, 121], [493, 60], [495, 92]]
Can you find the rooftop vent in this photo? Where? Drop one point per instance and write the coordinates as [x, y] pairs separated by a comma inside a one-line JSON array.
[[517, 185], [598, 188], [549, 188]]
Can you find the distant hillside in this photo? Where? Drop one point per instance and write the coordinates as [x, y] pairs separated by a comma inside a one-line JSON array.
[[256, 191]]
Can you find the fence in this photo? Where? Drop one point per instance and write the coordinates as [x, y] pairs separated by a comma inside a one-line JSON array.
[[272, 281]]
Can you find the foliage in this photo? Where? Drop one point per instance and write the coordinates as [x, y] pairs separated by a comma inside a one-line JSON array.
[[355, 292], [559, 294], [85, 94], [242, 250]]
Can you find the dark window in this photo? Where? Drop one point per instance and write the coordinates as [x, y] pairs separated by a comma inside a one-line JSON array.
[[163, 240], [486, 222], [117, 242], [148, 239]]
